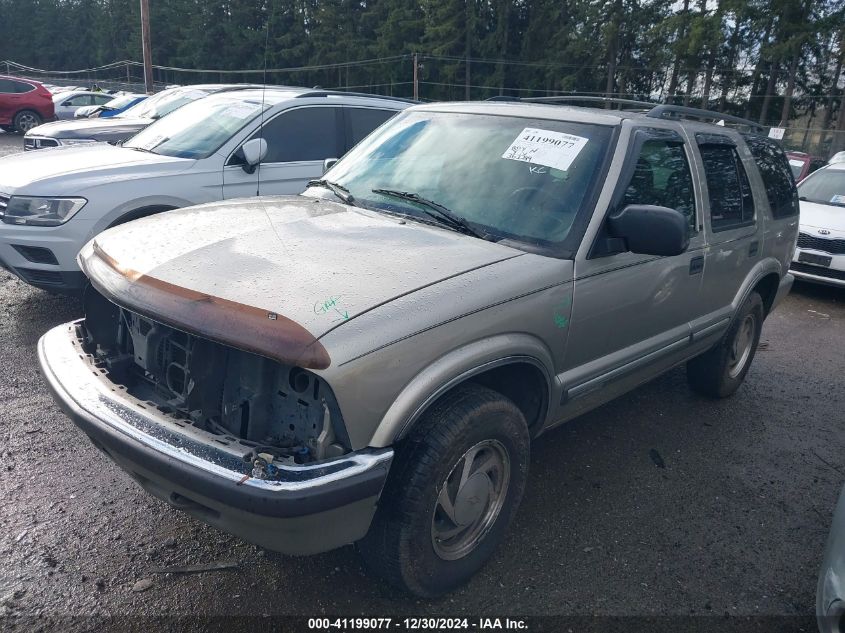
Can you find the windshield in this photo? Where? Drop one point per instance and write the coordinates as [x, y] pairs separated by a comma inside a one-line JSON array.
[[120, 102], [512, 178], [826, 186], [163, 103], [199, 129]]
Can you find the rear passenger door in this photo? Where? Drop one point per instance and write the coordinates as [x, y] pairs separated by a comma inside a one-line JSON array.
[[298, 141], [782, 223], [731, 228]]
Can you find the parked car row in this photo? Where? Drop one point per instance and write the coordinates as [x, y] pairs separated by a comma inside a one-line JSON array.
[[122, 122], [113, 107], [68, 104], [53, 202], [309, 358]]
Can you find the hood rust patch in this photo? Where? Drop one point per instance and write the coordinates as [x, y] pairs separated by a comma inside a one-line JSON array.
[[243, 326]]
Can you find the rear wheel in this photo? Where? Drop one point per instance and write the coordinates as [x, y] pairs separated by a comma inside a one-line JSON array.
[[719, 372], [25, 120], [454, 487]]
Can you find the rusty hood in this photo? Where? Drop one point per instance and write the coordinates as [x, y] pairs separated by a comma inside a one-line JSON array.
[[273, 275]]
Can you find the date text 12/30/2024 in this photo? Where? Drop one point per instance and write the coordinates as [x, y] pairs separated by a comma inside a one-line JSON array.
[[417, 624]]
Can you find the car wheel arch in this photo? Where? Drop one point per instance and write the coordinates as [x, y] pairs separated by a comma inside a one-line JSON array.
[[522, 376], [767, 288], [141, 212], [765, 277]]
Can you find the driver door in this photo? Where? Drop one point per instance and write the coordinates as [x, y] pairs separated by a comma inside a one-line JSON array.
[[298, 141], [631, 313]]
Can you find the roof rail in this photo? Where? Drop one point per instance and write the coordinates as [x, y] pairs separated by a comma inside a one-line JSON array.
[[576, 99], [681, 112], [328, 93], [655, 110]]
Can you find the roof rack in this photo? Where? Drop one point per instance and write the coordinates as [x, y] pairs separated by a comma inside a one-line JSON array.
[[576, 98], [328, 93], [655, 110], [666, 111]]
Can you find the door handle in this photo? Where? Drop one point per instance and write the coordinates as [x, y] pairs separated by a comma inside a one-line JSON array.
[[696, 265]]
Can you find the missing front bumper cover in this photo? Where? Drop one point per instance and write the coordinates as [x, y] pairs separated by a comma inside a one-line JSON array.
[[133, 433]]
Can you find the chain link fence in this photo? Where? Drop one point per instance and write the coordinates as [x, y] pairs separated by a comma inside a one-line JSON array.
[[391, 76], [814, 141]]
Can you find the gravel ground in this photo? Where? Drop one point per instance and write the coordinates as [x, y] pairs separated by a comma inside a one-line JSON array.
[[658, 504]]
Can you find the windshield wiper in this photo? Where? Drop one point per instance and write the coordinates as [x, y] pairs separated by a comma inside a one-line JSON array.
[[339, 190], [437, 211]]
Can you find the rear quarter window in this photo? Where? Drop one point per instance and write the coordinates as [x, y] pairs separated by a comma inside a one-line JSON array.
[[362, 121], [776, 175]]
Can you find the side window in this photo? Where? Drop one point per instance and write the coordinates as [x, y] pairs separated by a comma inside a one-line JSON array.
[[662, 177], [362, 121], [731, 201], [776, 175], [302, 134], [102, 99], [79, 100], [7, 86], [22, 86]]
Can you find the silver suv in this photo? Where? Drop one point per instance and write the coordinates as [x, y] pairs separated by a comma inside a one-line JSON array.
[[231, 144], [369, 361]]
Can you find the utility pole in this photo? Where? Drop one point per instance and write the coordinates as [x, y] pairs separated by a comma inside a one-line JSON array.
[[468, 27], [416, 78], [145, 45]]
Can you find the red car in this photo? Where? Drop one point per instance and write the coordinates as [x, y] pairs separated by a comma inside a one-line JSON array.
[[24, 104], [802, 165]]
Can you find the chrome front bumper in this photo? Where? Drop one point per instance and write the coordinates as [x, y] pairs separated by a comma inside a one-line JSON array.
[[307, 509]]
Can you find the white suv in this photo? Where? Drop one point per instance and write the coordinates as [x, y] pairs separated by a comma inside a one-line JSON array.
[[228, 145]]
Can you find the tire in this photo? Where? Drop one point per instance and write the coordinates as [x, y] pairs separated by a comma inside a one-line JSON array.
[[719, 372], [409, 543], [25, 120]]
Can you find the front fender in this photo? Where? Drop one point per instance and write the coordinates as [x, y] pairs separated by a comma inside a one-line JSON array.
[[454, 368], [147, 202]]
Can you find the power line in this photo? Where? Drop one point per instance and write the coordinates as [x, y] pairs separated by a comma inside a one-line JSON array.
[[223, 71], [126, 64]]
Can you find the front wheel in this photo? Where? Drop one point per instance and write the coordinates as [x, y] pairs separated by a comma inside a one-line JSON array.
[[455, 485], [25, 120], [719, 372]]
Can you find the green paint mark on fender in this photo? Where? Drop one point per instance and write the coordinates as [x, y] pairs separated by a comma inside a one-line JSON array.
[[561, 319]]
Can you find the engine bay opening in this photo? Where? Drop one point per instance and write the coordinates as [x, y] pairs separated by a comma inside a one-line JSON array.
[[268, 410]]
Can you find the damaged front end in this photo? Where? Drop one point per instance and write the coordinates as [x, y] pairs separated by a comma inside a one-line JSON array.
[[271, 412]]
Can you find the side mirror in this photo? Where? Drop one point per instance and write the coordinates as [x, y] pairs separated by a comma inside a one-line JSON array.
[[67, 103], [328, 164], [253, 152], [651, 230]]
